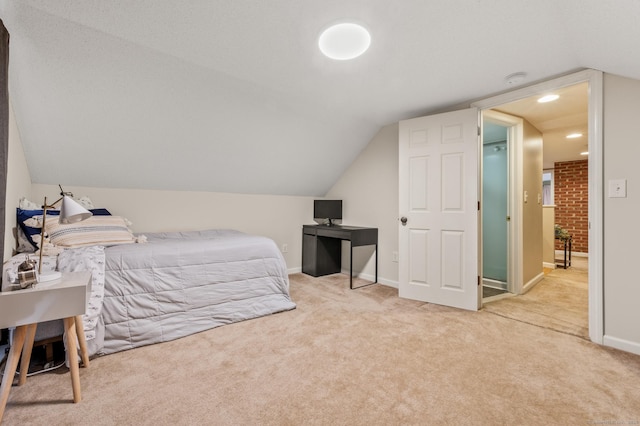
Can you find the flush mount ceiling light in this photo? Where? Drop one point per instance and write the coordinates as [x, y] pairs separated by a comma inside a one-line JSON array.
[[584, 153], [574, 135], [344, 41], [548, 98]]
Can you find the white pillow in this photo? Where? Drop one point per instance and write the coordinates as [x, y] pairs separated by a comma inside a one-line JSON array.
[[97, 230], [25, 204]]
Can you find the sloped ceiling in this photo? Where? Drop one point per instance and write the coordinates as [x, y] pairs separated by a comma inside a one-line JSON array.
[[234, 96]]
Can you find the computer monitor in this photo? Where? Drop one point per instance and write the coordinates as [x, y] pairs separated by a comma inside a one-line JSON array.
[[326, 211]]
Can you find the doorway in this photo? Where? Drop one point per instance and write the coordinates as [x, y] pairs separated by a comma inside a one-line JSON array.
[[564, 129], [495, 208], [457, 275]]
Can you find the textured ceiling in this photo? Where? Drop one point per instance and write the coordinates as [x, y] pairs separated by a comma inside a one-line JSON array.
[[234, 96]]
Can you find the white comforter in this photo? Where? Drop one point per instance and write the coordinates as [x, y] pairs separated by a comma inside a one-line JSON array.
[[186, 282]]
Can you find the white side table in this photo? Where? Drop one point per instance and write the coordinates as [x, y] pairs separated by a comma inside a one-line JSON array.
[[64, 298]]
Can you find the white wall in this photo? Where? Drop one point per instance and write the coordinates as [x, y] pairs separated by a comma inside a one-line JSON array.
[[18, 184], [277, 217], [369, 190], [621, 230]]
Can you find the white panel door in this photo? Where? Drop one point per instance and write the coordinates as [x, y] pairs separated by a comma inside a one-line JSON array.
[[438, 247]]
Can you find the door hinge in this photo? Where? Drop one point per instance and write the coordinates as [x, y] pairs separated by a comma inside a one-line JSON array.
[[478, 205], [478, 280], [478, 130]]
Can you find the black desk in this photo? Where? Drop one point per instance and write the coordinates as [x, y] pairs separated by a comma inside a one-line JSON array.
[[322, 248]]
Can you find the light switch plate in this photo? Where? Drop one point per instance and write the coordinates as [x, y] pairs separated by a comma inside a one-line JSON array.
[[617, 188]]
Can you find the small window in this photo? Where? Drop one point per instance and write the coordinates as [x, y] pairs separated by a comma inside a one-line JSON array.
[[547, 187]]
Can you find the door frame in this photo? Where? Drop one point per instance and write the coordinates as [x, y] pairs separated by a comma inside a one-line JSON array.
[[594, 79], [515, 230]]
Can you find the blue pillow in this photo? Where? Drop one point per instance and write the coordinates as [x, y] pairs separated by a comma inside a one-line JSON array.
[[23, 215]]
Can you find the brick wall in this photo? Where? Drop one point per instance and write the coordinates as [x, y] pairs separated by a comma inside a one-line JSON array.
[[571, 189]]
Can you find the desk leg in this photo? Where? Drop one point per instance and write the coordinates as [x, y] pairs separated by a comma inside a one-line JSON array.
[[72, 354], [12, 364], [84, 354], [376, 262], [350, 266], [26, 353]]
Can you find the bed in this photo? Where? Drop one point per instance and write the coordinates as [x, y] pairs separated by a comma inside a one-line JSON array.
[[173, 285]]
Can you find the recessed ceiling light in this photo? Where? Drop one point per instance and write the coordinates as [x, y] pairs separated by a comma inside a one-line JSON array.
[[344, 41], [574, 135], [548, 98], [584, 153]]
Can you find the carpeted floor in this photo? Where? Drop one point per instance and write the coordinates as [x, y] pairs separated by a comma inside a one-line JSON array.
[[559, 302], [348, 357]]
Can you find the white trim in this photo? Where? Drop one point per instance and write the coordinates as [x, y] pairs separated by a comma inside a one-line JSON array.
[[536, 89], [596, 207], [497, 297], [369, 277], [388, 283], [573, 253], [622, 344], [596, 164], [548, 265], [532, 283]]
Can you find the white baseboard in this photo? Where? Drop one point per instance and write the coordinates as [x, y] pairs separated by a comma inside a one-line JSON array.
[[560, 254], [528, 286], [371, 277], [548, 265], [381, 280], [622, 344]]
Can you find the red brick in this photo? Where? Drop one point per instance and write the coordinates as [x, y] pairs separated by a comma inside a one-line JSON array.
[[571, 184]]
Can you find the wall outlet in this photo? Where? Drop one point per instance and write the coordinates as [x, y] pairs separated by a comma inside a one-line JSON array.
[[394, 256], [285, 248]]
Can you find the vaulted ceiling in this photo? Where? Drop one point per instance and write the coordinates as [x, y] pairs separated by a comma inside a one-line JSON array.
[[234, 96]]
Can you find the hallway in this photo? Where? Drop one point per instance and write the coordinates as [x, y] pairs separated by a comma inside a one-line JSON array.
[[559, 302]]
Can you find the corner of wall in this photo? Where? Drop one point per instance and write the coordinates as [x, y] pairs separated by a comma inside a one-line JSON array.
[[18, 183]]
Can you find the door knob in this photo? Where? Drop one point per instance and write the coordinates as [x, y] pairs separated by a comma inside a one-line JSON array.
[[403, 220], [508, 218]]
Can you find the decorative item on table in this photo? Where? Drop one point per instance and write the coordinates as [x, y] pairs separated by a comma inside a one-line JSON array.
[[27, 275], [70, 212], [561, 233]]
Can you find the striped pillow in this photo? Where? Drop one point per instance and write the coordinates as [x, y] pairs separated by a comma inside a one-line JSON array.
[[97, 230]]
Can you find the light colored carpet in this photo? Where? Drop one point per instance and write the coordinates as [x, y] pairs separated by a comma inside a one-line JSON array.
[[559, 302], [348, 357]]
